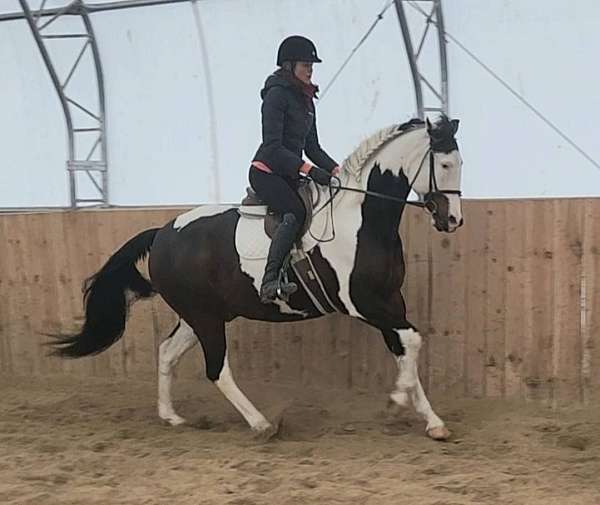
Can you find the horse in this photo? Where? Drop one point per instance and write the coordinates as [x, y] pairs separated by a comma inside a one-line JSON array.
[[207, 265]]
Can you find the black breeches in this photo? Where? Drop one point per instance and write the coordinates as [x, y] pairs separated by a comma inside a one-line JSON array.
[[278, 193]]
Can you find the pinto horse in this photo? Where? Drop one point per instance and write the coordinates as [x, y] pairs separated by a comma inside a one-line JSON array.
[[207, 264]]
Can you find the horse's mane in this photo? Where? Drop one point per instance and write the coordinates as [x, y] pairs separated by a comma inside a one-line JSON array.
[[354, 163]]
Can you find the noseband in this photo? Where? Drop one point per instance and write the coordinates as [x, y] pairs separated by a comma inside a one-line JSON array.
[[429, 200]]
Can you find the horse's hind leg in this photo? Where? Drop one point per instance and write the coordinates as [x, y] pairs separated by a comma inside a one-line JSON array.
[[405, 344], [211, 333], [181, 340]]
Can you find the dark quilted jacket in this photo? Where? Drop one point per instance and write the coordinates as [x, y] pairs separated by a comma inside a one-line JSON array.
[[288, 128]]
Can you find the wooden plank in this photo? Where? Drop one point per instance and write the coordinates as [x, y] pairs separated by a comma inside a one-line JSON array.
[[359, 356], [417, 283], [348, 336], [590, 361], [248, 335], [72, 310], [57, 303], [567, 258], [455, 307], [326, 351], [40, 277], [287, 345], [438, 333], [381, 364], [475, 299], [18, 276], [7, 326], [82, 244], [495, 298], [141, 337], [539, 300], [514, 336]]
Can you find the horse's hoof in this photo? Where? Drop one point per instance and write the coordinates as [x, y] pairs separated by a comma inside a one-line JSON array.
[[173, 420], [439, 433], [266, 433]]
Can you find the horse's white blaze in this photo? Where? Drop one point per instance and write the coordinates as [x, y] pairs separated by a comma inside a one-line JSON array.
[[455, 211], [229, 388], [197, 213], [448, 175], [169, 354]]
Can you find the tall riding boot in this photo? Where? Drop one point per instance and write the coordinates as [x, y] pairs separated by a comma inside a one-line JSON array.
[[283, 240]]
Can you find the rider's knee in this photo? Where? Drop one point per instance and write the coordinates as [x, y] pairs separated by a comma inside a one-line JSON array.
[[293, 219]]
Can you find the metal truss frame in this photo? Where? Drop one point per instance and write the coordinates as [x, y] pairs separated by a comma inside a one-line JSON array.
[[95, 165], [432, 9], [92, 165]]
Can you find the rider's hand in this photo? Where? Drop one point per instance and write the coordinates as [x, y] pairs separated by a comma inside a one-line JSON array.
[[320, 176]]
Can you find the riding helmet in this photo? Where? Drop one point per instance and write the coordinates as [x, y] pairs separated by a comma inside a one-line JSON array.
[[297, 48]]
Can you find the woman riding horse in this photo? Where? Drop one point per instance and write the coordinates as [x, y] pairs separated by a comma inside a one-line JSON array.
[[288, 128]]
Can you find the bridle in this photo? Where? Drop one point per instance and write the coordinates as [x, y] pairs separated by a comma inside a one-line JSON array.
[[428, 201]]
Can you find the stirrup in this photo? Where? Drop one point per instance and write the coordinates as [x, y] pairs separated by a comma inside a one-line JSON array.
[[284, 288], [282, 291]]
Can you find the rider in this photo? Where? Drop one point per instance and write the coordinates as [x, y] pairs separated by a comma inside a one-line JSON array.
[[288, 128]]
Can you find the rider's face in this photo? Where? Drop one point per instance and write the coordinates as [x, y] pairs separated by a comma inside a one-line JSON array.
[[303, 71]]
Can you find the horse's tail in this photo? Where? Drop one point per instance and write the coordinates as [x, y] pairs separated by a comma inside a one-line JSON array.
[[107, 296]]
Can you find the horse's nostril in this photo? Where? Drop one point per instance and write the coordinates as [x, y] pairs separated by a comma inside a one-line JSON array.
[[452, 220]]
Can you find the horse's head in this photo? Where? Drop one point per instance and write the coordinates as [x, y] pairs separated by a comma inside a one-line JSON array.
[[420, 156], [438, 179]]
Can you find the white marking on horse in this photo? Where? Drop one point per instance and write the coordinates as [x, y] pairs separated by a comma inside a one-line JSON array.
[[169, 354], [204, 211], [255, 268], [229, 388], [408, 383]]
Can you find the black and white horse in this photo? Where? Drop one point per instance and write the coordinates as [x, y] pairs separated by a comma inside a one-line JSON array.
[[207, 264]]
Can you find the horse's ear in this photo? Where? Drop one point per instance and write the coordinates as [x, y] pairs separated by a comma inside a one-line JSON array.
[[428, 123], [454, 125]]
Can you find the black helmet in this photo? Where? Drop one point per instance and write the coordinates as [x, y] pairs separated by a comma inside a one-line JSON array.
[[297, 48]]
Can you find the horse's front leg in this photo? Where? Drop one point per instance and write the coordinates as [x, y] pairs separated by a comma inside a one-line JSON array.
[[405, 345]]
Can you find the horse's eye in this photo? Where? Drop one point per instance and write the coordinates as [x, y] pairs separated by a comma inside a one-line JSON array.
[[445, 166]]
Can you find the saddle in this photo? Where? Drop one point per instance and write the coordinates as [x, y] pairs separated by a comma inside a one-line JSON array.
[[252, 241], [253, 207]]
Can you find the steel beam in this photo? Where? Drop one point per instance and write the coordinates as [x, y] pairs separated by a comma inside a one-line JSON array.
[[93, 165], [90, 8], [432, 9]]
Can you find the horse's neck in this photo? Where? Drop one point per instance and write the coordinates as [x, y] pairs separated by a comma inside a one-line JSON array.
[[404, 152], [403, 156]]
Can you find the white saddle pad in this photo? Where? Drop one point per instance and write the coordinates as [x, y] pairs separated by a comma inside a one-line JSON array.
[[251, 241], [253, 210]]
